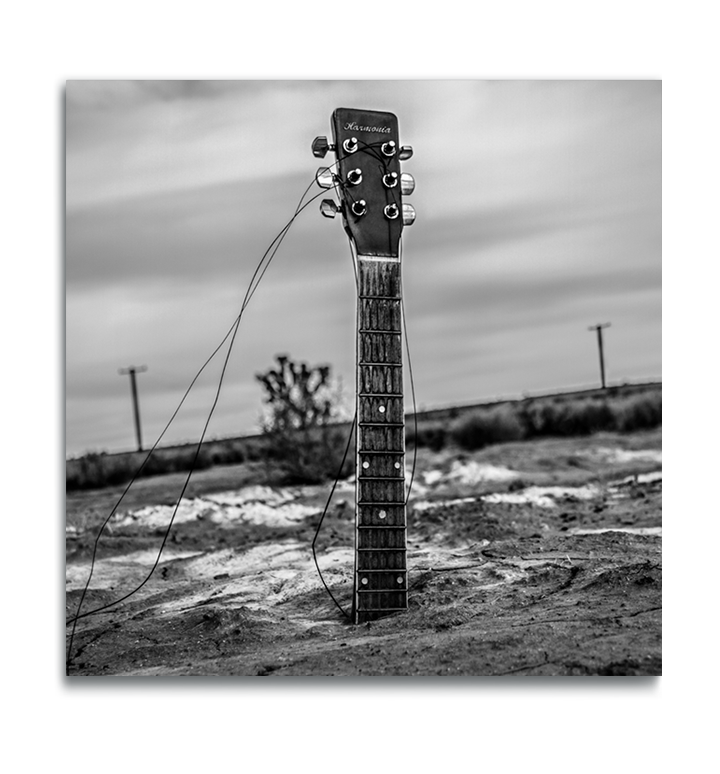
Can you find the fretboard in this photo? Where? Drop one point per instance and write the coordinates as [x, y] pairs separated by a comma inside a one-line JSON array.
[[380, 546]]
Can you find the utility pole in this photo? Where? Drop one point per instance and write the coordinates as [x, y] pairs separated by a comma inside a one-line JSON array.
[[599, 328], [132, 370]]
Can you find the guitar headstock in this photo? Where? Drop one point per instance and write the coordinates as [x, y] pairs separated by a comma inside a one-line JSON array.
[[367, 178]]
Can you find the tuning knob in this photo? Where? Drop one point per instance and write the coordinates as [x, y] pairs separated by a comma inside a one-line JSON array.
[[320, 146], [408, 214], [324, 177], [328, 208], [406, 152], [407, 184]]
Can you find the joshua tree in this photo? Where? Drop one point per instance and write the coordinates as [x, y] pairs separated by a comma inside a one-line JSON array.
[[302, 406]]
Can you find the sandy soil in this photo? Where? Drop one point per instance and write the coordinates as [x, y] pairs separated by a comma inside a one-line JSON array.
[[531, 558]]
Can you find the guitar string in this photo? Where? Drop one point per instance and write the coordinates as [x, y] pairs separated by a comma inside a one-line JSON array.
[[252, 287], [233, 329], [342, 192], [412, 380], [353, 427], [368, 147]]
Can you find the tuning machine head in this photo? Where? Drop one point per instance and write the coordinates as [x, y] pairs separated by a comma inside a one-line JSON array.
[[324, 177], [320, 147], [407, 183], [328, 208], [367, 179]]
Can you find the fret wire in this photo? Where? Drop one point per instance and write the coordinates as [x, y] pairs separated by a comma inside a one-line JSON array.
[[382, 526], [397, 550], [383, 503], [377, 284], [382, 609]]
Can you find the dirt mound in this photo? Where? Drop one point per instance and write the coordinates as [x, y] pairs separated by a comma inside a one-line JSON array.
[[647, 574], [538, 572]]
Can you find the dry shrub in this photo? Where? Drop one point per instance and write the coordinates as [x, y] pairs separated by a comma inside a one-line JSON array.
[[641, 412], [431, 434], [567, 418], [586, 417], [95, 470], [309, 456], [99, 469], [482, 428]]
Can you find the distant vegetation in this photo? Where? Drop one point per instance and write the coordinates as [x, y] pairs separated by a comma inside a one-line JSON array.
[[307, 452], [560, 416]]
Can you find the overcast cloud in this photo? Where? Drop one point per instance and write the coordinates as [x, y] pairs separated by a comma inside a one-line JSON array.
[[538, 214]]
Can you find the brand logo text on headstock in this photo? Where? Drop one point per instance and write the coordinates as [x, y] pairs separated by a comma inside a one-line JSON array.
[[352, 126]]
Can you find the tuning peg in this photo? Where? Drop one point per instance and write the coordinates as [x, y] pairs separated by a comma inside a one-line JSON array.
[[406, 152], [354, 176], [328, 208], [407, 184], [408, 215], [324, 177], [351, 144], [359, 207], [320, 146]]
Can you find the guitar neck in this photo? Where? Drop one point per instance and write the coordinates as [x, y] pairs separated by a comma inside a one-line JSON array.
[[380, 554]]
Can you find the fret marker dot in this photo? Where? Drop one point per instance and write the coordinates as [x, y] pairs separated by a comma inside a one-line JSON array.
[[382, 514], [366, 465], [382, 409], [364, 581], [399, 579], [397, 466]]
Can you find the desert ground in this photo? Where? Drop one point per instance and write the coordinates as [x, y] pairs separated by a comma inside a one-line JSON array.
[[535, 557]]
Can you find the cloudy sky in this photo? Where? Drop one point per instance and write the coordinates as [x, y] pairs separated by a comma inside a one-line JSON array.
[[538, 214]]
